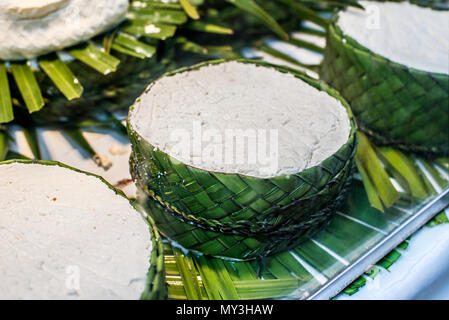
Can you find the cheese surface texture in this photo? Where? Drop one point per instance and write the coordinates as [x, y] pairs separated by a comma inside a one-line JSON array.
[[401, 32], [241, 118], [30, 28], [66, 235]]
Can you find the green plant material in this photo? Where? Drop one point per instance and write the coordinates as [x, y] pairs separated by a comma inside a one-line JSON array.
[[133, 46], [33, 141], [28, 87], [339, 3], [158, 5], [95, 58], [12, 155], [304, 44], [389, 259], [443, 162], [6, 112], [355, 286], [402, 164], [306, 13], [314, 32], [4, 144], [372, 272], [77, 137], [265, 289], [251, 7], [255, 216], [187, 45], [219, 283], [111, 122], [439, 219], [208, 27], [438, 178], [156, 288], [61, 76], [150, 29], [221, 50], [163, 16], [190, 9], [379, 188], [285, 57], [188, 275], [394, 105]]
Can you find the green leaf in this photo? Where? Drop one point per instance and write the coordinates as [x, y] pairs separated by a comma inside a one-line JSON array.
[[251, 7], [33, 141], [76, 136], [443, 162], [437, 177], [405, 167], [207, 27], [6, 112], [374, 177], [28, 87], [285, 57], [95, 58], [339, 3], [304, 44], [157, 16], [149, 29], [188, 275], [133, 46], [15, 155], [61, 76], [4, 144], [190, 9], [306, 13], [156, 5], [187, 45]]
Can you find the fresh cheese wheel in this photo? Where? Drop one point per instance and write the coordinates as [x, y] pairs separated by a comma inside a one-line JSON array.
[[65, 234]]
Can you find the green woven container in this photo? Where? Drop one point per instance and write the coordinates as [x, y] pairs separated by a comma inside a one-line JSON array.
[[155, 287], [233, 215], [394, 104]]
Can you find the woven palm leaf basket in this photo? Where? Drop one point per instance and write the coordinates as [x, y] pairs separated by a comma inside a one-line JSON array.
[[393, 102], [236, 215], [76, 237], [67, 60]]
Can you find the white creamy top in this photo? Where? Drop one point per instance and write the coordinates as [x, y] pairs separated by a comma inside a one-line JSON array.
[[402, 32], [66, 235], [240, 118], [29, 28]]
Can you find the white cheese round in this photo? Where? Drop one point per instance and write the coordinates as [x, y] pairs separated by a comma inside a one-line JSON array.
[[66, 235], [30, 28], [241, 118], [401, 32]]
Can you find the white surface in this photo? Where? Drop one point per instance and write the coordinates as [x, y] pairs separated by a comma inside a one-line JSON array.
[[191, 113], [30, 28], [418, 274], [402, 32], [66, 235]]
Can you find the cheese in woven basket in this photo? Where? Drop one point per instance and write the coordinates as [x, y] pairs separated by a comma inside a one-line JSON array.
[[67, 234], [240, 159], [391, 63]]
